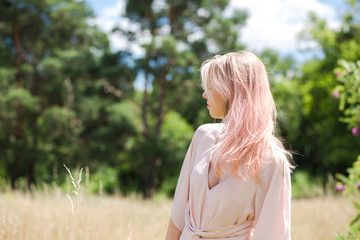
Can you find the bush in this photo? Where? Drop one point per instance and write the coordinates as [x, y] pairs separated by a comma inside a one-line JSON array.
[[350, 186], [348, 93], [303, 186]]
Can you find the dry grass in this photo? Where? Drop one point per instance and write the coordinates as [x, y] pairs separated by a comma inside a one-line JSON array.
[[320, 218], [47, 217]]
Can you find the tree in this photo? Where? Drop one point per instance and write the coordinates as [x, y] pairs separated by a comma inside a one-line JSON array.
[[181, 34], [325, 145], [52, 102]]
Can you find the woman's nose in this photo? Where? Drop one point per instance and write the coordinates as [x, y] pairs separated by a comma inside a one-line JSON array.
[[204, 95]]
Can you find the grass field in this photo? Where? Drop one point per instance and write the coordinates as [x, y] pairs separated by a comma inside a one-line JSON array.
[[46, 217]]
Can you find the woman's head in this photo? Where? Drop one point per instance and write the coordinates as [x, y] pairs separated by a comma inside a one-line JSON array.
[[240, 81]]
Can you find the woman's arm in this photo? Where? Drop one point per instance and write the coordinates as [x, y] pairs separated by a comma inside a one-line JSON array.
[[173, 233], [273, 202]]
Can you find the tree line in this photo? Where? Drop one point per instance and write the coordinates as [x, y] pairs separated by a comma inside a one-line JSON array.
[[66, 98]]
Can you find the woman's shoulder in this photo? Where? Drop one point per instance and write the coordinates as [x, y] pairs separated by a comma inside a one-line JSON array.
[[207, 132], [208, 129]]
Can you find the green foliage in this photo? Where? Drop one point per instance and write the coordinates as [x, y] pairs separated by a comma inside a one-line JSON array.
[[350, 185], [308, 116], [7, 75], [169, 150], [57, 122], [52, 106], [181, 36], [305, 186], [15, 98], [104, 181], [176, 137], [348, 92], [176, 129], [66, 98]]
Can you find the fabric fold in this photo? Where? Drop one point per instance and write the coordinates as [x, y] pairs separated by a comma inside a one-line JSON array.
[[235, 231]]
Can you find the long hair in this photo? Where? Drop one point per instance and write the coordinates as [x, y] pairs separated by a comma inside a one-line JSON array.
[[247, 136]]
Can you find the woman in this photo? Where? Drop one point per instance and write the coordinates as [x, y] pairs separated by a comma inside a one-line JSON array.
[[235, 179]]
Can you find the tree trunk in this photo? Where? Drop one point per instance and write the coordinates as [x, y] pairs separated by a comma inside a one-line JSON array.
[[160, 111], [19, 129], [144, 107], [153, 162], [151, 178], [19, 132]]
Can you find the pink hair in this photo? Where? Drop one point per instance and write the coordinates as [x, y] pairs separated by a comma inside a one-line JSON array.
[[250, 116]]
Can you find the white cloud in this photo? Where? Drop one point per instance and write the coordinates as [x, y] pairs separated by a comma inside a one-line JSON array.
[[276, 23], [271, 23], [111, 17], [114, 11]]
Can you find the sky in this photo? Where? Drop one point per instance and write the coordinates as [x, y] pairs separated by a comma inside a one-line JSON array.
[[271, 24]]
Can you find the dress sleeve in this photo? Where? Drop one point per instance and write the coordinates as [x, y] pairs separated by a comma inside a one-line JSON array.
[[273, 202], [181, 196]]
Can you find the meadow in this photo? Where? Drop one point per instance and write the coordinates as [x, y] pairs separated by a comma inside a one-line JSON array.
[[48, 216]]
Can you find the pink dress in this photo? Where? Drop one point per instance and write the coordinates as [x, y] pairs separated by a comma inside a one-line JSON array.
[[256, 209]]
